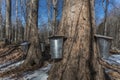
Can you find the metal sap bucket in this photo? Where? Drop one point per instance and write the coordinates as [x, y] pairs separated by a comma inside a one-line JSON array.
[[25, 46], [56, 47], [42, 46], [104, 43]]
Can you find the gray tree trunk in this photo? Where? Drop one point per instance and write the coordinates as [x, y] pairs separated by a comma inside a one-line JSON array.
[[8, 19], [28, 20], [1, 36], [34, 53]]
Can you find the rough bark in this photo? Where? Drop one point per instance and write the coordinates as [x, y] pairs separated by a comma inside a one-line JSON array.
[[27, 17], [34, 55], [80, 54], [8, 18]]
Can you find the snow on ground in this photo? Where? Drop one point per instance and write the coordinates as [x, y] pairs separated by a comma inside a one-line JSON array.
[[113, 59], [40, 74]]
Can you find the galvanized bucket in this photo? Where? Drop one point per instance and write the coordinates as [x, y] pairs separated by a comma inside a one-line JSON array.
[[56, 47], [42, 45], [104, 43], [25, 46]]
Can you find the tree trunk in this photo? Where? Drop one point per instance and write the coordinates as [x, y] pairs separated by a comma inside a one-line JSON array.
[[80, 54], [54, 2], [8, 18], [27, 17], [22, 29], [1, 19], [16, 26], [49, 26], [34, 53]]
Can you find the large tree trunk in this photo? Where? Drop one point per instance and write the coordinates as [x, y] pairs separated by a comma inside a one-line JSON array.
[[8, 18], [34, 54], [80, 55]]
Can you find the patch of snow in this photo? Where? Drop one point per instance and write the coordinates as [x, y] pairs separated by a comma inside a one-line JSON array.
[[40, 74], [113, 59]]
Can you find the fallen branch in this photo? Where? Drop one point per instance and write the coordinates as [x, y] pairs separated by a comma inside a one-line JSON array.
[[7, 52], [10, 50]]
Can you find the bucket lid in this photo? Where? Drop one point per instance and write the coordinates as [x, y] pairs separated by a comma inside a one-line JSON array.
[[102, 36], [25, 43], [56, 37]]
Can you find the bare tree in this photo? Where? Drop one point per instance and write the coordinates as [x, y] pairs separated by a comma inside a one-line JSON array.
[[105, 8], [1, 19], [34, 53], [16, 26], [80, 55], [25, 6], [54, 2], [49, 26], [8, 19], [28, 17], [23, 13]]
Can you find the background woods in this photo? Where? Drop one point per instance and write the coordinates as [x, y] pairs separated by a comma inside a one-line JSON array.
[[113, 28]]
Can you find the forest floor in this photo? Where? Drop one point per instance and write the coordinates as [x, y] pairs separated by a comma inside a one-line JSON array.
[[11, 59], [113, 59]]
